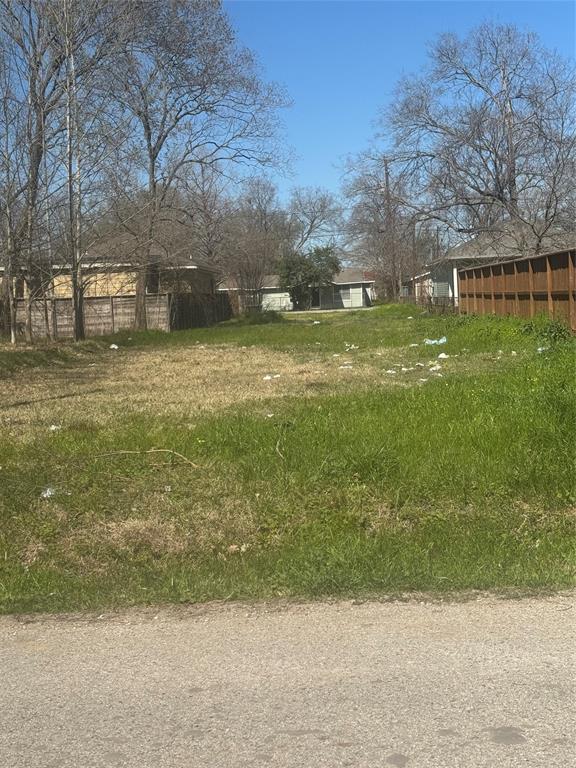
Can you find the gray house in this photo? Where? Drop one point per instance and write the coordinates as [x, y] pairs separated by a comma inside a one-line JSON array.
[[349, 289]]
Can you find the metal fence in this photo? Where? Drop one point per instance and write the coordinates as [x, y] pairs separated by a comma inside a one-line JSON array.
[[523, 287]]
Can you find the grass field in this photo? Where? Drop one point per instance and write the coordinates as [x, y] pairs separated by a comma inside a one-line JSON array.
[[323, 455]]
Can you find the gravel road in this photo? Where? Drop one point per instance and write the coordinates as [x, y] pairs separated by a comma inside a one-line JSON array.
[[486, 682]]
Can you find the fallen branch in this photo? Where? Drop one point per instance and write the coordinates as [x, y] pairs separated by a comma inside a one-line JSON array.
[[150, 450]]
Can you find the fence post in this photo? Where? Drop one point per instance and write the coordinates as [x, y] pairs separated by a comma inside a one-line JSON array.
[[549, 288], [571, 289], [492, 292], [112, 313], [516, 295], [531, 286], [54, 317]]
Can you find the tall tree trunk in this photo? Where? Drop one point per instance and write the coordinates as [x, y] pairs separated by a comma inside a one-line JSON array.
[[73, 186]]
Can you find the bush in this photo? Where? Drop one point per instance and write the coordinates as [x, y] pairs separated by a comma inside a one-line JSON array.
[[260, 317], [546, 330]]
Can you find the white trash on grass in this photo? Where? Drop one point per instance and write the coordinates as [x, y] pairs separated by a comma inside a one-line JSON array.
[[435, 368], [113, 346], [441, 340], [55, 427], [443, 356], [47, 493]]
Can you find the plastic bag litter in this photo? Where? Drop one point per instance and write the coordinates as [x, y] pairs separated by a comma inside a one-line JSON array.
[[55, 427], [443, 356], [541, 349], [390, 370], [436, 368], [413, 345], [47, 493], [316, 322], [113, 346], [270, 376], [442, 340]]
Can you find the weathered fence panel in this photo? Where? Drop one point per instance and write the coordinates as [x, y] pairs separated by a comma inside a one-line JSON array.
[[107, 314], [524, 287], [188, 310], [102, 315]]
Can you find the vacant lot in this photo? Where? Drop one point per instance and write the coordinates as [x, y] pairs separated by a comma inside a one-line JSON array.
[[328, 454]]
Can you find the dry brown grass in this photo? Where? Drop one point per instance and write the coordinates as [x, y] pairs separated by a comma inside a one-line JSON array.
[[171, 381]]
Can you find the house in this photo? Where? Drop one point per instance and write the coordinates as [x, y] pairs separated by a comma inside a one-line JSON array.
[[349, 289], [110, 267], [439, 283]]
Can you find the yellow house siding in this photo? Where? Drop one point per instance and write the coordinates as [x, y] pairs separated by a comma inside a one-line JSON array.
[[97, 284]]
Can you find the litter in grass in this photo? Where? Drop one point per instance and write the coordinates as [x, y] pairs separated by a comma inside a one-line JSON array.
[[420, 365], [439, 374], [410, 317], [269, 415], [513, 353], [390, 370], [422, 380], [55, 427], [316, 322], [443, 356], [436, 368], [345, 366], [541, 349], [167, 488], [441, 340], [335, 355], [413, 345], [113, 346], [406, 370], [47, 493]]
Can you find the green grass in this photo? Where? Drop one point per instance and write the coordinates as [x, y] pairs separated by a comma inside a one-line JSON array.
[[465, 482]]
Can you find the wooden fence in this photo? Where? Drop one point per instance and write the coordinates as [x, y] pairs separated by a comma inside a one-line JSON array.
[[523, 287], [107, 314]]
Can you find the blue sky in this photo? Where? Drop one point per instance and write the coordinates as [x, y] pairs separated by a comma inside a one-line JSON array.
[[340, 59]]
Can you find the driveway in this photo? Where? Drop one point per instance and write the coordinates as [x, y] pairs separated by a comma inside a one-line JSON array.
[[485, 682]]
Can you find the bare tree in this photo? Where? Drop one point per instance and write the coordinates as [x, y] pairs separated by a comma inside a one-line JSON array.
[[256, 234], [195, 97], [315, 217], [486, 136], [384, 234]]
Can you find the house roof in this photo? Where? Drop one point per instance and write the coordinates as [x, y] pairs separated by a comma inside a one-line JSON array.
[[504, 246], [125, 249], [346, 276], [350, 275]]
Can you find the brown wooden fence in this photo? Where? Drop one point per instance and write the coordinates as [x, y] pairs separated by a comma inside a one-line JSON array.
[[108, 314], [523, 287]]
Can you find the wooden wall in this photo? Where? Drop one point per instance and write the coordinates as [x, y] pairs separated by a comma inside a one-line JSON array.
[[525, 287], [102, 315]]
